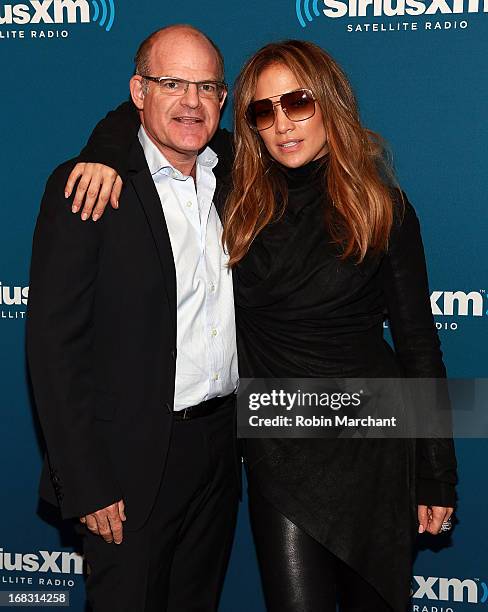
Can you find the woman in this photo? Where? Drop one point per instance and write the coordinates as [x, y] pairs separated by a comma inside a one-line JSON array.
[[322, 245]]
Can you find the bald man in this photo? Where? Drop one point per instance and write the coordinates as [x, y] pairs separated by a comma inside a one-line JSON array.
[[132, 353]]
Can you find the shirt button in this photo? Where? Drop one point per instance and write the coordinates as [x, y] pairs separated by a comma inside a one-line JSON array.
[[212, 288], [189, 204], [213, 332], [215, 377]]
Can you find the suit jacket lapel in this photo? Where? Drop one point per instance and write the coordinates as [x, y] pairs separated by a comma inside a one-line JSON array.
[[222, 188], [146, 191], [220, 197]]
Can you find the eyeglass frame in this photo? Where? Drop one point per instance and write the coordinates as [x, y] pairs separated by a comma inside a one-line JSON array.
[[278, 103], [221, 84]]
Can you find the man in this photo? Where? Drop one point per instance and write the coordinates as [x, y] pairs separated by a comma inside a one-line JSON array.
[[131, 346]]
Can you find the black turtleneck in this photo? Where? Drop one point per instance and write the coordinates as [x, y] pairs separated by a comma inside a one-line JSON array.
[[305, 184], [302, 312], [297, 177]]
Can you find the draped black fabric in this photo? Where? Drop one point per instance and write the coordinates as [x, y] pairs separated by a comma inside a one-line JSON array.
[[303, 312]]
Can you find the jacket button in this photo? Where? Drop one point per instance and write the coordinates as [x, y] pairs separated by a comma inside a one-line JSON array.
[[168, 407], [173, 354]]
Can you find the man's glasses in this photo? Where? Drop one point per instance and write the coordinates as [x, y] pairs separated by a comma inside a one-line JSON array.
[[172, 86], [297, 105]]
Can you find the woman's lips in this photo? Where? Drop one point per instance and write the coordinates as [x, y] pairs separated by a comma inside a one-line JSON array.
[[290, 146]]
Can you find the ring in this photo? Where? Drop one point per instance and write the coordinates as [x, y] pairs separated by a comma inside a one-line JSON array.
[[446, 525]]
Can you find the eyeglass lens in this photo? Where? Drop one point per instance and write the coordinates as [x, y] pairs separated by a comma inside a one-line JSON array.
[[178, 87]]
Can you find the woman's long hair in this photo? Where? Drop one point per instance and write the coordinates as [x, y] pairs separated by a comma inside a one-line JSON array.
[[357, 173]]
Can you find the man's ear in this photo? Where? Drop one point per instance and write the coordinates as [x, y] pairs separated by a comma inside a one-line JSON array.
[[137, 91]]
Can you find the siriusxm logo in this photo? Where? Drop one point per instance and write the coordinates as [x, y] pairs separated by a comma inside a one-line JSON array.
[[457, 303], [303, 10], [13, 296], [44, 561], [307, 10], [449, 589], [59, 12], [12, 300]]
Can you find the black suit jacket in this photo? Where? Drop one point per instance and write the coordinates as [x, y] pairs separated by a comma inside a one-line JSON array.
[[101, 341]]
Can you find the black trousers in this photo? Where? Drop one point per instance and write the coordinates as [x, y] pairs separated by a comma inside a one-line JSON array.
[[301, 575], [177, 561]]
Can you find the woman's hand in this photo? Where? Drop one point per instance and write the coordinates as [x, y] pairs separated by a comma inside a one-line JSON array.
[[431, 518], [97, 183]]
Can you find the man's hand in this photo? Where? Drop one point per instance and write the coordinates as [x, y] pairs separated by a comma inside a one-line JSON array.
[[107, 522], [97, 183], [431, 518]]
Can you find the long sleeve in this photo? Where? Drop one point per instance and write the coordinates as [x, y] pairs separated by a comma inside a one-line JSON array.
[[112, 138], [418, 348], [59, 349]]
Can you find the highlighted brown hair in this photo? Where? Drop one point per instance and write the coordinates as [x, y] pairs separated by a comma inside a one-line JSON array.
[[358, 176]]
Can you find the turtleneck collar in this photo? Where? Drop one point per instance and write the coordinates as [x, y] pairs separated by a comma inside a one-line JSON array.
[[306, 185], [303, 176]]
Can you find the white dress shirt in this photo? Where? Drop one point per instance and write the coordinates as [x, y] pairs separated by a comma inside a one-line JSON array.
[[206, 361]]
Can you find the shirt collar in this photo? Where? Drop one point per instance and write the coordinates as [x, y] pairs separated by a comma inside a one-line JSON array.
[[158, 164]]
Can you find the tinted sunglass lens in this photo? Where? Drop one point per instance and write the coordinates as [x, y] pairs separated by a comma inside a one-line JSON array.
[[261, 114], [298, 105]]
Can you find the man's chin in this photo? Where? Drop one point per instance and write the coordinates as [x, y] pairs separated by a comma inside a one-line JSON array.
[[192, 144]]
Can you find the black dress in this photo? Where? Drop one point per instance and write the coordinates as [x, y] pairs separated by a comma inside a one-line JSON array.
[[303, 312]]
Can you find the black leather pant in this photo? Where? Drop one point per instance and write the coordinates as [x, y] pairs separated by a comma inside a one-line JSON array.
[[301, 575]]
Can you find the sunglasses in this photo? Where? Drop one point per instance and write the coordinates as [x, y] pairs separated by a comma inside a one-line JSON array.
[[297, 105]]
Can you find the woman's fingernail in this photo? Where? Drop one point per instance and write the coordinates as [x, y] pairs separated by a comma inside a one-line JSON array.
[[421, 529], [84, 216], [95, 217], [66, 194], [117, 204], [74, 209]]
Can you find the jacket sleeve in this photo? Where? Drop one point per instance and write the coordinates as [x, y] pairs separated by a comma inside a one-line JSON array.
[[112, 138], [417, 347], [59, 350]]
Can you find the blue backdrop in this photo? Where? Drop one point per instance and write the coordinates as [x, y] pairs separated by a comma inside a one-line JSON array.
[[419, 71]]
